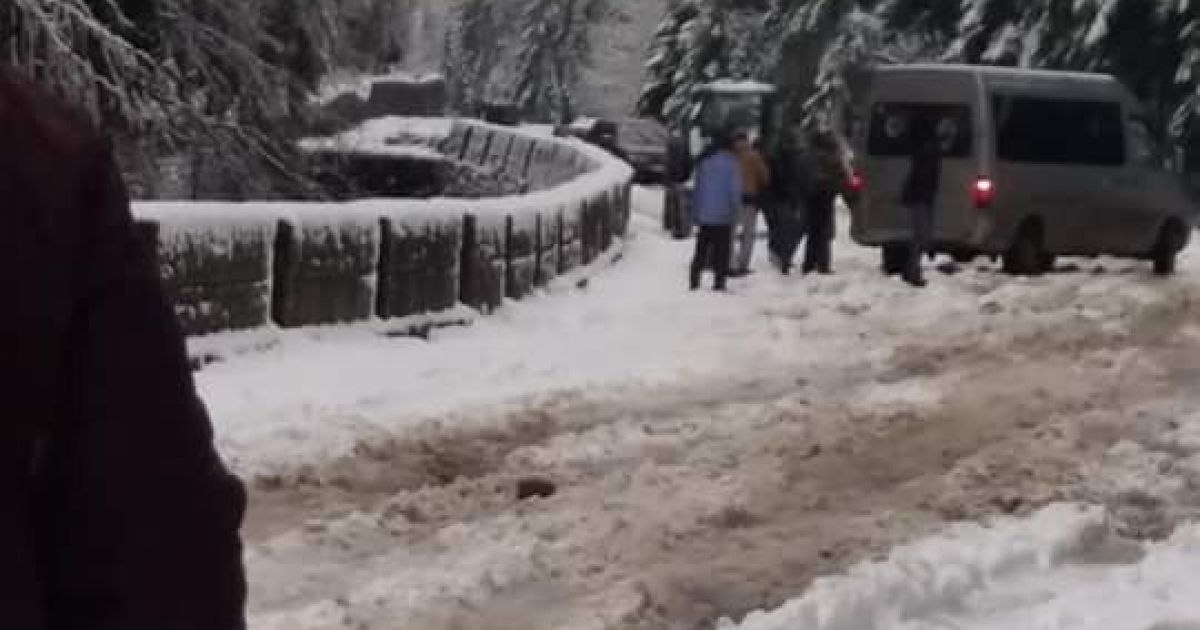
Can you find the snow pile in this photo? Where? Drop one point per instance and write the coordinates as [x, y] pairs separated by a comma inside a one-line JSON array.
[[926, 579], [1048, 572]]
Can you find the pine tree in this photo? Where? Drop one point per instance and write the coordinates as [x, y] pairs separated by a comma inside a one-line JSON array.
[[857, 45], [695, 45], [666, 56], [556, 48], [471, 56]]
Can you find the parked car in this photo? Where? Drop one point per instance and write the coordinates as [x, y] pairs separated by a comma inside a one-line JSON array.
[[640, 141], [644, 140], [1036, 164]]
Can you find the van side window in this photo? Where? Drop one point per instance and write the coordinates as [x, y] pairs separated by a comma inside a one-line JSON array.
[[1058, 131], [888, 131], [1143, 151]]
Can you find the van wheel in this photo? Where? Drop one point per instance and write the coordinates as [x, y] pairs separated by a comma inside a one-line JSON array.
[[1026, 256], [1171, 241], [895, 258]]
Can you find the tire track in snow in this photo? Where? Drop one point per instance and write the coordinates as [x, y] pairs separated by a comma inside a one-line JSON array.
[[683, 505]]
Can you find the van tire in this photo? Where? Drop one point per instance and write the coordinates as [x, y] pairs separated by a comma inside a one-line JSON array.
[[895, 258], [1171, 240], [1026, 256]]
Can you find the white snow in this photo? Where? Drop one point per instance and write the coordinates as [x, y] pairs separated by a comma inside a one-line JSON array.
[[376, 133], [335, 85], [1040, 573], [414, 151], [313, 395], [728, 86], [924, 580], [303, 397]]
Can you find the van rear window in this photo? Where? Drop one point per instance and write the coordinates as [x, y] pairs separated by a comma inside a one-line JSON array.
[[1058, 131], [891, 124]]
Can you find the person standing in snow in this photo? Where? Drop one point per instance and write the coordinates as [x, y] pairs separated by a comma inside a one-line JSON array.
[[784, 207], [716, 201], [755, 179], [829, 176], [118, 513], [920, 191]]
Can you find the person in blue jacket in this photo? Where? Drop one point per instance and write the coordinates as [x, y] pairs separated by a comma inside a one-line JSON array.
[[718, 197]]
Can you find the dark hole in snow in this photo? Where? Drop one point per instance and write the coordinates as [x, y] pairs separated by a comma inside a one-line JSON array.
[[535, 487]]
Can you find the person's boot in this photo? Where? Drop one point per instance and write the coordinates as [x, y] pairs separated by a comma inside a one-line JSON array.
[[915, 281]]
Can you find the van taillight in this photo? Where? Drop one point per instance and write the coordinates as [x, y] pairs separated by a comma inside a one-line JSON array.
[[984, 193], [857, 182]]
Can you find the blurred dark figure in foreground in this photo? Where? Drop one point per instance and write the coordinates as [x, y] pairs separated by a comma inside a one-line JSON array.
[[118, 514]]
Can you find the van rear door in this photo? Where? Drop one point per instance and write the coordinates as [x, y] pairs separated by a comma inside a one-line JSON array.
[[889, 147]]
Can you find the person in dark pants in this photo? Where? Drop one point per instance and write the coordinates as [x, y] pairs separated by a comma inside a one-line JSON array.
[[118, 513], [717, 200], [828, 180], [920, 192], [786, 198]]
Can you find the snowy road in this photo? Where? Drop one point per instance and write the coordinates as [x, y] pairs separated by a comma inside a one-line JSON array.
[[713, 454]]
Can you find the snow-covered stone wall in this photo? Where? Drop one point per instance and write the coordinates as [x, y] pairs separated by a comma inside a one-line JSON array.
[[241, 266]]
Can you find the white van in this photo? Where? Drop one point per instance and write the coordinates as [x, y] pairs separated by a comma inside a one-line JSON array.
[[1035, 164]]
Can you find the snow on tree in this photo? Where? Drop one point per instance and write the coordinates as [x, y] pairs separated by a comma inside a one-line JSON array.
[[698, 42], [856, 46], [170, 75], [666, 57], [471, 55], [555, 49]]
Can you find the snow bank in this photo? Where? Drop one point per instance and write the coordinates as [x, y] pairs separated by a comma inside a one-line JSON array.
[[1047, 572], [925, 580]]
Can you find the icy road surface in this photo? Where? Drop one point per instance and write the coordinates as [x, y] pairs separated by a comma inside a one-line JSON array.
[[715, 454]]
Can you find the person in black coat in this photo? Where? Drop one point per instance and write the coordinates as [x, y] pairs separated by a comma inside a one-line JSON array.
[[118, 513], [785, 200], [920, 193], [827, 182]]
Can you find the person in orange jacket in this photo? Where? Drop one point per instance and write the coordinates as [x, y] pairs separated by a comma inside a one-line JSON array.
[[756, 177]]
